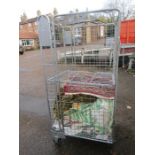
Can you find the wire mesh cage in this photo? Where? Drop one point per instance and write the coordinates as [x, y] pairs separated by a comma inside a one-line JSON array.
[[82, 76]]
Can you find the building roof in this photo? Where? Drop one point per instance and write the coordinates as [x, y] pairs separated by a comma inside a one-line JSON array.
[[31, 20], [28, 35]]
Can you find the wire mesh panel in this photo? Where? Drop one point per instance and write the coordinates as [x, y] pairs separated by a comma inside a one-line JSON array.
[[83, 86]]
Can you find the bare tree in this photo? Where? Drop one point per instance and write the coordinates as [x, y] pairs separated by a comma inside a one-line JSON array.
[[38, 12], [126, 7], [23, 17], [71, 12], [55, 11], [76, 10], [50, 15]]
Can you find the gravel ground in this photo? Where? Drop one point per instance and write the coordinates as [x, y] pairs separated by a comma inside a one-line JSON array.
[[35, 137]]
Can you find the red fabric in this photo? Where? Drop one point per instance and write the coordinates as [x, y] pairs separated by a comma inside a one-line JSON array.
[[103, 92], [91, 84]]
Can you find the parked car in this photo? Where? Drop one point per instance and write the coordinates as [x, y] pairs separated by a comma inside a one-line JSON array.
[[21, 49]]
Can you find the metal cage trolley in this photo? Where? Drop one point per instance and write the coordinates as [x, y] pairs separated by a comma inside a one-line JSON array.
[[81, 51]]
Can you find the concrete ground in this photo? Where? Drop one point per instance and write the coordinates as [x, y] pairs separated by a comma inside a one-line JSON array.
[[35, 137]]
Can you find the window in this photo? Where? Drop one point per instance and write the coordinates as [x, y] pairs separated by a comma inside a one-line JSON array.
[[23, 42], [110, 31], [27, 42]]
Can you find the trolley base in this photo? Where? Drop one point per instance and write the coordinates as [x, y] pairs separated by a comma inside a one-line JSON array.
[[58, 136]]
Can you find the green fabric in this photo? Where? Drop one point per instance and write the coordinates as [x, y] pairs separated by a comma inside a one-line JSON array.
[[85, 114]]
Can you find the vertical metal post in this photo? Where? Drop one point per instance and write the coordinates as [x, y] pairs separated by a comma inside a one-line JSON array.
[[116, 57], [117, 51]]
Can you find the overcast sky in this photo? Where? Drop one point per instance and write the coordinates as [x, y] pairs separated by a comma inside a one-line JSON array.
[[63, 6]]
